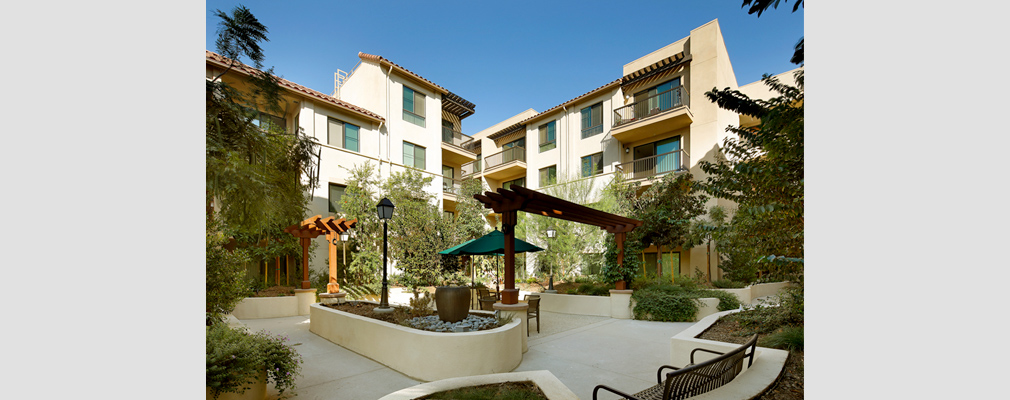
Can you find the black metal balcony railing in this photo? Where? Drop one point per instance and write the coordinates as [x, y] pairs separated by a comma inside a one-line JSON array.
[[510, 154], [450, 185], [470, 168], [456, 138], [674, 161], [651, 105]]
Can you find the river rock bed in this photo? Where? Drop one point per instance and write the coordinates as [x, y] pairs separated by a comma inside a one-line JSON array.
[[469, 324]]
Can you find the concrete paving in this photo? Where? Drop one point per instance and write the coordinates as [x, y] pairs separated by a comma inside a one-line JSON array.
[[581, 351]]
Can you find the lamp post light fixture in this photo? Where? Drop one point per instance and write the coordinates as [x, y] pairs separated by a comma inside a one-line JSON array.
[[385, 212], [551, 233]]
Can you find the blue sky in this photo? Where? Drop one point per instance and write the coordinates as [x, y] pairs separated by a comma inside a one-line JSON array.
[[506, 57]]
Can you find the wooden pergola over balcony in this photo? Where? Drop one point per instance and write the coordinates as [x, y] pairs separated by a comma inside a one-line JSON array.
[[311, 228], [509, 202]]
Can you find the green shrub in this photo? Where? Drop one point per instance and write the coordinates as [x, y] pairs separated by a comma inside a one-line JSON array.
[[728, 284], [225, 275], [667, 306], [235, 358], [663, 301], [786, 338]]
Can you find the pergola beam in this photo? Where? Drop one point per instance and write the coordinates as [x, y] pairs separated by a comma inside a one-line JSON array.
[[509, 202]]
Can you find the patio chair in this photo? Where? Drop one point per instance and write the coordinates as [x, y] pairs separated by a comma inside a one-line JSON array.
[[532, 312], [487, 303]]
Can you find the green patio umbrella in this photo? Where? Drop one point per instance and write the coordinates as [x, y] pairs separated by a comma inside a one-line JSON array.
[[491, 244]]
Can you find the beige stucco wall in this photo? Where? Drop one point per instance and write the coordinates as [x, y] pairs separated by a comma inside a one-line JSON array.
[[426, 356], [266, 307]]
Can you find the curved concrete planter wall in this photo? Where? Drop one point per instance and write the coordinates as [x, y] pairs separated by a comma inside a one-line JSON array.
[[751, 382], [422, 355], [749, 293], [545, 380]]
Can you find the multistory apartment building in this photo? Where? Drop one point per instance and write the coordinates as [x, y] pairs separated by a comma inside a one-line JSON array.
[[381, 113], [650, 121]]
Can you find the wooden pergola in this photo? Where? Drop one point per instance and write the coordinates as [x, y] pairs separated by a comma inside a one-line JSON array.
[[310, 229], [509, 202]]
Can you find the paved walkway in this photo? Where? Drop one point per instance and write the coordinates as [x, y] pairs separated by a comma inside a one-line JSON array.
[[581, 351]]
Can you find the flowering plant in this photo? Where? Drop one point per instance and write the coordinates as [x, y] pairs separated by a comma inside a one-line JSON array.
[[236, 358]]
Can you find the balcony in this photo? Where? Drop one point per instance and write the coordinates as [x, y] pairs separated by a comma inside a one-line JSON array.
[[655, 166], [457, 148], [470, 168], [450, 189], [656, 114], [506, 163]]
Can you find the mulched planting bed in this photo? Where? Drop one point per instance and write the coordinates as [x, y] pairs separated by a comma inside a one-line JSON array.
[[402, 314], [789, 386], [275, 291], [505, 390]]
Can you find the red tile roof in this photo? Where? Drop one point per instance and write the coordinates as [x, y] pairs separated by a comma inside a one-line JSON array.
[[511, 128], [381, 60], [245, 69]]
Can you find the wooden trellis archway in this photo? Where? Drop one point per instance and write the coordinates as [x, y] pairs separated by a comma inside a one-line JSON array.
[[310, 229], [509, 202]]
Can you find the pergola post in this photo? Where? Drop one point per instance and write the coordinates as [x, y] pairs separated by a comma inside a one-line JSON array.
[[305, 263], [331, 285], [510, 295]]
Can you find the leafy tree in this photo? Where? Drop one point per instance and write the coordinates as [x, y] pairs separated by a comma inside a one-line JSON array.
[[564, 254], [667, 208], [253, 174], [705, 230], [763, 173], [358, 202]]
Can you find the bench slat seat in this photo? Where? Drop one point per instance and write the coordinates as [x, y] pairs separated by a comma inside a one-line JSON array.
[[695, 378]]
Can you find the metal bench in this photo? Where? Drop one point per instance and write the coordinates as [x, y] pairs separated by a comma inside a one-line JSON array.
[[694, 379]]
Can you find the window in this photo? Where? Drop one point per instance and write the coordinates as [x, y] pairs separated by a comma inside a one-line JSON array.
[[336, 192], [266, 121], [660, 98], [342, 134], [658, 157], [592, 120], [592, 165], [448, 132], [448, 185], [517, 182], [413, 155], [548, 176], [514, 150], [548, 136], [413, 106], [448, 215]]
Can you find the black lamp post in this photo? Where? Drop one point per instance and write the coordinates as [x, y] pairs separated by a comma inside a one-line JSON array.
[[551, 233], [385, 211]]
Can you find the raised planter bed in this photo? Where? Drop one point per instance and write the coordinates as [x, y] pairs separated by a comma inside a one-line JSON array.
[[275, 307], [546, 381], [749, 293], [751, 382], [422, 355]]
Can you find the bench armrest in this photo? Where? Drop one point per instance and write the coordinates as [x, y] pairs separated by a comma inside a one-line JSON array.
[[705, 350], [615, 391], [659, 373]]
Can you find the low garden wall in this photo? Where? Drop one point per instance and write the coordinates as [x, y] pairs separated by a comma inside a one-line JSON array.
[[618, 305], [422, 355], [767, 366], [275, 307], [749, 293]]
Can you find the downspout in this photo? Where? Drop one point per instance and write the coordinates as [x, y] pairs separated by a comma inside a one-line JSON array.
[[568, 140], [388, 73]]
